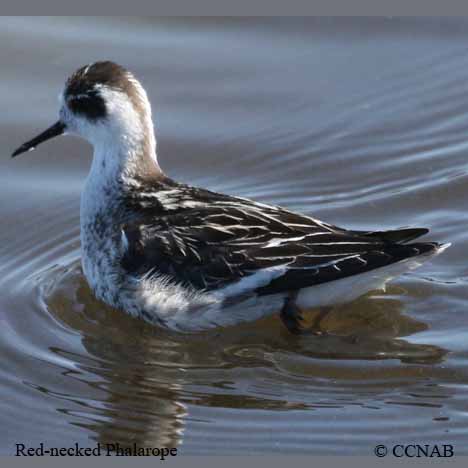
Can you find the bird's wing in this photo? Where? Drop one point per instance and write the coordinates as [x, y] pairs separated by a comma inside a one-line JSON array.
[[210, 241]]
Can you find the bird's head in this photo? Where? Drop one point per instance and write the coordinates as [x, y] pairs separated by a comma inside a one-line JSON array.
[[104, 104]]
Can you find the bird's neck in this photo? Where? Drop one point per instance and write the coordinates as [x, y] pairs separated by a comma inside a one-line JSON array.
[[122, 160], [117, 168]]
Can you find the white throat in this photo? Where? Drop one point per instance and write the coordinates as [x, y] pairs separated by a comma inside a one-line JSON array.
[[124, 143]]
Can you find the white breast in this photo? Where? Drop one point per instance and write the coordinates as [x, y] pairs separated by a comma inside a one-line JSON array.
[[100, 243]]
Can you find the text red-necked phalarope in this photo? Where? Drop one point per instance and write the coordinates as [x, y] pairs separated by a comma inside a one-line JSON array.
[[190, 259]]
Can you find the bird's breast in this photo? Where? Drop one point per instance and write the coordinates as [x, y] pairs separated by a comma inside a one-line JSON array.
[[100, 244]]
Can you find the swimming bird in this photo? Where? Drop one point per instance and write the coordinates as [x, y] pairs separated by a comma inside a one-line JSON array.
[[190, 259]]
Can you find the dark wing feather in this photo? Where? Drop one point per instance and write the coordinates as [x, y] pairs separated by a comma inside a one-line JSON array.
[[296, 277], [209, 241], [399, 236]]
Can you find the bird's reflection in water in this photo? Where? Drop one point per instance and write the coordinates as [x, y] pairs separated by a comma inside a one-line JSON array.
[[370, 328], [148, 376]]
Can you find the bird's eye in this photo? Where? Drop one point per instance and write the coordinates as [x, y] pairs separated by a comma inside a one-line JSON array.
[[91, 106]]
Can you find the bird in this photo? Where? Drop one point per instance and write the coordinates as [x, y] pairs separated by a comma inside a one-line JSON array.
[[190, 259]]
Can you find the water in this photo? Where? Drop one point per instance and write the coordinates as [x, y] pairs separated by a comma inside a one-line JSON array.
[[360, 122]]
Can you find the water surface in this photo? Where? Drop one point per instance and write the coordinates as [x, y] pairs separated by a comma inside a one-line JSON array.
[[360, 122]]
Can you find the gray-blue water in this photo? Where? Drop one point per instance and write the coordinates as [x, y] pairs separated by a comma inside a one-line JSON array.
[[360, 122]]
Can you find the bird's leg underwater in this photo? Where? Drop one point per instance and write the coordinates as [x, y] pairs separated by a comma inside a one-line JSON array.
[[292, 317]]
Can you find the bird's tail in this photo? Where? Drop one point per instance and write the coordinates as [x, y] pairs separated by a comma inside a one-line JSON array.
[[399, 236]]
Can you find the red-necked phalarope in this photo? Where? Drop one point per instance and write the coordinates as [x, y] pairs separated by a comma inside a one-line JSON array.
[[190, 259]]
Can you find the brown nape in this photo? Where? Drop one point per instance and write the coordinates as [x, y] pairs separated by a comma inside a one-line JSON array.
[[147, 169]]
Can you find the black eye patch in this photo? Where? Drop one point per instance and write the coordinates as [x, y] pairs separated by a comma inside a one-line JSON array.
[[90, 105]]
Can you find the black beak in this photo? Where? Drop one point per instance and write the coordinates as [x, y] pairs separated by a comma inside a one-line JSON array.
[[57, 129]]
